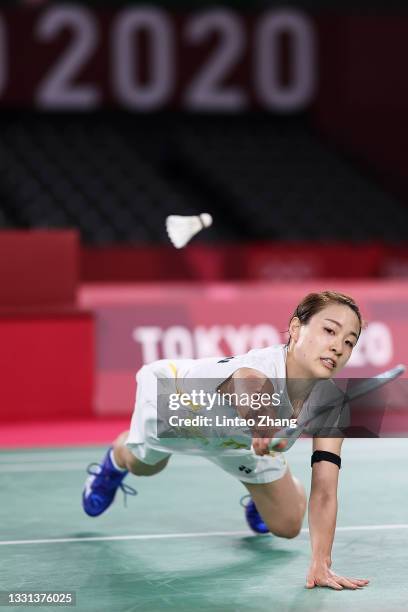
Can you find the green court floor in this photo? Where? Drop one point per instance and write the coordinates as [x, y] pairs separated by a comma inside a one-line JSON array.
[[182, 543]]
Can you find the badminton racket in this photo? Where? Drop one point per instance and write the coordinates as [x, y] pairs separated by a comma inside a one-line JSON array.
[[286, 437]]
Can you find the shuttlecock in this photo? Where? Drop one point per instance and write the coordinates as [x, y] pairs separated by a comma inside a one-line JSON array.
[[181, 229]]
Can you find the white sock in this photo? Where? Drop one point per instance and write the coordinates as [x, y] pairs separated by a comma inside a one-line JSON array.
[[115, 465]]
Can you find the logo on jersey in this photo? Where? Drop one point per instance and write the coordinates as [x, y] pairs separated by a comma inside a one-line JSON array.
[[243, 468]]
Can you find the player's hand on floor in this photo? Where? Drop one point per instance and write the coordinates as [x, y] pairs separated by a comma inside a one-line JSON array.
[[321, 575]]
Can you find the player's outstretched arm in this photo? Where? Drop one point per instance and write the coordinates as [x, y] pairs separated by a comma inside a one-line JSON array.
[[322, 521]]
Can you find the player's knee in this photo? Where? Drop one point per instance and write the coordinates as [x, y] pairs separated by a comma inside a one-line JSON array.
[[138, 468], [288, 532], [290, 529]]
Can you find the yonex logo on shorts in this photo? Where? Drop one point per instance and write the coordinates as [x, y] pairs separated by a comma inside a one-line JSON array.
[[243, 468]]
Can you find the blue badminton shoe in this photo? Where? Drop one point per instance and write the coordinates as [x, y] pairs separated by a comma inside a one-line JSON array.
[[101, 486], [252, 515]]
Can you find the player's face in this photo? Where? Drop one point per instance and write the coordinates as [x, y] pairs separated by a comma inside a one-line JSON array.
[[324, 345]]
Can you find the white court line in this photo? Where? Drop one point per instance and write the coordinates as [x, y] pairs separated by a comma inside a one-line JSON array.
[[168, 536], [370, 527], [44, 467], [75, 466]]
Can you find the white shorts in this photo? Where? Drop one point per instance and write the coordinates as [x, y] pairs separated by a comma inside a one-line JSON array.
[[243, 464]]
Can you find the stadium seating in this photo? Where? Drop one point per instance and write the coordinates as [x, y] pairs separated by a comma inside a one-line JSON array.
[[117, 177]]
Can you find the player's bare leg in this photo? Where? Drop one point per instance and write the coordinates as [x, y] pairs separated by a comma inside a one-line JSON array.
[[282, 504], [125, 459]]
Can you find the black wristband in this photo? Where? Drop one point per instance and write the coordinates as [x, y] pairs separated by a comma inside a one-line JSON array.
[[326, 456]]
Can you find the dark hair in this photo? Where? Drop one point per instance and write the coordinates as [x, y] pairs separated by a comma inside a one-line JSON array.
[[315, 302]]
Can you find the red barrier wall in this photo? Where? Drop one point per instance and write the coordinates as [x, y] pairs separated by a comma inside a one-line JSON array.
[[138, 324], [275, 261], [38, 268], [46, 365]]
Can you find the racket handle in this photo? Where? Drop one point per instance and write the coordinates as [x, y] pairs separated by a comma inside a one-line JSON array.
[[285, 439], [278, 444]]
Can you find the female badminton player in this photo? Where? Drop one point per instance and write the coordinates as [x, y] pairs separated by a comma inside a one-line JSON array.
[[322, 333]]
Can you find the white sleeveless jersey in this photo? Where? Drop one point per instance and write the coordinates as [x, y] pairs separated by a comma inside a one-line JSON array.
[[161, 379], [188, 374], [270, 361], [226, 446]]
